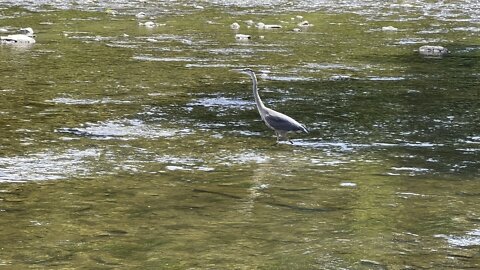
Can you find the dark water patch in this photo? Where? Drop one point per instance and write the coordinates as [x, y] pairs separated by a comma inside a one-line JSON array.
[[217, 193], [302, 208]]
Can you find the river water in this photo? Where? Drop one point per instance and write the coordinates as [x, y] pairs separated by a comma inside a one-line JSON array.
[[132, 147]]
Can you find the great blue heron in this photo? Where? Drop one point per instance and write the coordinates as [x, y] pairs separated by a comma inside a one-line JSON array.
[[279, 122]]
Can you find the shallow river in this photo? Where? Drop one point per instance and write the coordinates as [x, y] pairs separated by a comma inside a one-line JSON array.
[[125, 146]]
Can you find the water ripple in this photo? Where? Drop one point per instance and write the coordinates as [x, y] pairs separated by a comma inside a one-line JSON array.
[[125, 129], [470, 239], [47, 165]]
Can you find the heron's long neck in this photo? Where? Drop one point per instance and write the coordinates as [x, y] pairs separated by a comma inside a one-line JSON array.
[[258, 100]]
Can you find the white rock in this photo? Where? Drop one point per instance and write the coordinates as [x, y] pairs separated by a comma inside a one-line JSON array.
[[304, 24], [340, 77], [141, 15], [348, 184], [389, 28], [249, 22], [272, 26], [148, 24], [235, 26], [111, 12], [429, 50], [27, 31], [25, 37], [242, 37], [17, 38], [261, 25]]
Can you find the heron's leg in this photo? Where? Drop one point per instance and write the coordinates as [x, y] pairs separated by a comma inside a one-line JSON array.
[[278, 137], [282, 136], [288, 139]]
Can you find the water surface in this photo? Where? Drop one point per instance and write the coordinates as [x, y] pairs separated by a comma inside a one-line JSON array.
[[125, 146]]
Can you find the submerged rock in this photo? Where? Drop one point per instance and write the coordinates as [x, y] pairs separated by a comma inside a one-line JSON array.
[[429, 50]]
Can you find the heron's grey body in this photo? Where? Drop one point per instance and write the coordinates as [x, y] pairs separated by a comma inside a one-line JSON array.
[[282, 124]]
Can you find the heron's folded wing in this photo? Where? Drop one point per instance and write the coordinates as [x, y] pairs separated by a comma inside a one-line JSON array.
[[283, 123]]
